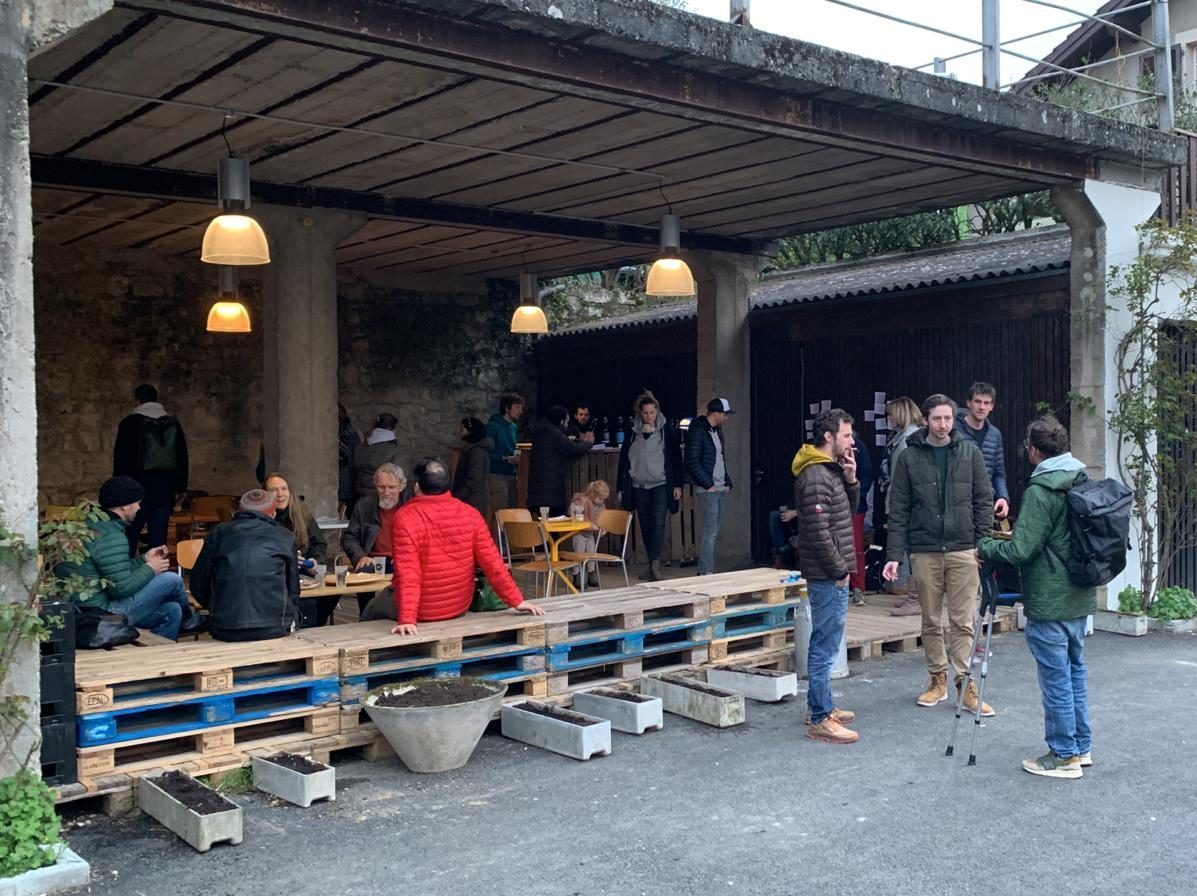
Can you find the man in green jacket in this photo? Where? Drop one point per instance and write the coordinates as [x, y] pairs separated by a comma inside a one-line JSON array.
[[940, 505], [1055, 608], [141, 587]]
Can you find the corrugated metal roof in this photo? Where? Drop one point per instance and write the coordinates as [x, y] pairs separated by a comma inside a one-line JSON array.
[[983, 258]]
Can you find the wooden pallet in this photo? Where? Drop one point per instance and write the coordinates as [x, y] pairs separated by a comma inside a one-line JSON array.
[[618, 611], [741, 589], [726, 650], [190, 750], [767, 658], [511, 669], [753, 620], [611, 674], [872, 632], [151, 676], [364, 647]]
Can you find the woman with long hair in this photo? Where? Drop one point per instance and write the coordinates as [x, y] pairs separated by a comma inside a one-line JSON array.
[[292, 514], [650, 476], [904, 420], [473, 466]]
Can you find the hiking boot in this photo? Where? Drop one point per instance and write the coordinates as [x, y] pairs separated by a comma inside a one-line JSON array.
[[654, 571], [858, 598], [832, 732], [937, 690], [1052, 766], [971, 698], [843, 716], [907, 606], [1086, 760]]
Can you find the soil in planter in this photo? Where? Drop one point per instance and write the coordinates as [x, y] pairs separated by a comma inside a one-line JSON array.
[[300, 764], [764, 673], [192, 794], [437, 693], [623, 695], [700, 687], [564, 715]]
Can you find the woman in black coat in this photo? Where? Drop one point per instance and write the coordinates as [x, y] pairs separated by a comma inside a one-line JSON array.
[[469, 479], [552, 451]]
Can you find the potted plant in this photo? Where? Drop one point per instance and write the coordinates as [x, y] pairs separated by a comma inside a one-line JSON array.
[[1173, 611], [32, 857], [434, 724]]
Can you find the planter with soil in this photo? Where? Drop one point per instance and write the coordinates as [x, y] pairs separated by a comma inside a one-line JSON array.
[[563, 731], [1131, 624], [198, 814], [764, 685], [695, 700], [295, 779], [434, 724], [626, 711]]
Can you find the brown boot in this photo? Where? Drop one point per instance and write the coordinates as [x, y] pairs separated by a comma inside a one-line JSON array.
[[843, 716], [907, 606], [937, 690], [832, 732], [971, 698]]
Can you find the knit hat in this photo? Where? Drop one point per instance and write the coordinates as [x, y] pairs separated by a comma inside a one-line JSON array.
[[120, 491], [475, 431], [258, 501]]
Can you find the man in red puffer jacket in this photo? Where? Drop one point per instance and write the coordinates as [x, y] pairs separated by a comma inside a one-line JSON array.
[[438, 543]]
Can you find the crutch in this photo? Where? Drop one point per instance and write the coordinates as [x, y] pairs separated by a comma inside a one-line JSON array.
[[991, 599]]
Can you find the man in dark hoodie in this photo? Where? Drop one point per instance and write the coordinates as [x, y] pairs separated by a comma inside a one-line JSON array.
[[150, 448], [940, 506], [826, 493]]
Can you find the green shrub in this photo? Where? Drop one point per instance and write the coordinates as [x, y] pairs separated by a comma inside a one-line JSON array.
[[1130, 600], [28, 825], [1173, 603]]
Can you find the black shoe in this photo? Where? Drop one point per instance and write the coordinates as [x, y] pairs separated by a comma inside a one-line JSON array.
[[592, 581], [196, 625]]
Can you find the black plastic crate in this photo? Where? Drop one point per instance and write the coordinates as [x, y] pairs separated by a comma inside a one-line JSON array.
[[60, 763], [58, 692], [59, 646]]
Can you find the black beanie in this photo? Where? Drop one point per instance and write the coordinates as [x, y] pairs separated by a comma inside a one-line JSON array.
[[119, 491]]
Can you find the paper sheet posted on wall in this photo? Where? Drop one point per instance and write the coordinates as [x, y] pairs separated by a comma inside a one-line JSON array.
[[878, 398], [814, 409], [869, 415], [879, 409], [880, 440], [825, 404], [882, 425]]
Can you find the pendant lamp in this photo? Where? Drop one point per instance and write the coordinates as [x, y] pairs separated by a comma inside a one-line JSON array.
[[529, 316], [669, 275], [233, 238], [227, 314]]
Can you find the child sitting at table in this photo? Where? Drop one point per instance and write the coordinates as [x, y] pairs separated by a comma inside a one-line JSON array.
[[592, 500]]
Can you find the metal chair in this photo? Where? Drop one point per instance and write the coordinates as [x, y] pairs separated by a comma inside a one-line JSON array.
[[502, 518], [529, 537], [187, 551], [614, 523]]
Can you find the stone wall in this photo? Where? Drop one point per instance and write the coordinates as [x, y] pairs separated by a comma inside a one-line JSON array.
[[105, 324]]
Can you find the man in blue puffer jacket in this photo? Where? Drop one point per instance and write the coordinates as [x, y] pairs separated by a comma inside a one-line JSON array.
[[974, 423]]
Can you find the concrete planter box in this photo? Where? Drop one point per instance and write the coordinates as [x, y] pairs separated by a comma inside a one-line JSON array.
[[578, 741], [1172, 626], [627, 716], [695, 700], [1120, 623], [432, 739], [198, 831], [802, 628], [764, 685], [68, 872], [292, 786]]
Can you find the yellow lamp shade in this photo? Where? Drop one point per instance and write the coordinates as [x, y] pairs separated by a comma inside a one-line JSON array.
[[234, 239], [670, 277], [228, 317], [529, 319]]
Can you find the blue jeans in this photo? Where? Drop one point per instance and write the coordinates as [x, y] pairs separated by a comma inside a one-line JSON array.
[[1059, 652], [712, 514], [161, 606], [157, 517], [777, 532], [828, 611]]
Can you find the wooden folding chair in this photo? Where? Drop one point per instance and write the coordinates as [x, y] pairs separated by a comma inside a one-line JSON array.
[[530, 537], [502, 518]]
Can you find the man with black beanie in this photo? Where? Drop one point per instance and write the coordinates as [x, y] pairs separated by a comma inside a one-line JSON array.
[[142, 588]]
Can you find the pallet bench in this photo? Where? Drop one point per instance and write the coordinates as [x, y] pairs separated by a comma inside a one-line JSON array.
[[749, 588]]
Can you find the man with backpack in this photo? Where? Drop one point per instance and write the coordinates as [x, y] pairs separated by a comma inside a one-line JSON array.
[[1045, 550], [150, 447]]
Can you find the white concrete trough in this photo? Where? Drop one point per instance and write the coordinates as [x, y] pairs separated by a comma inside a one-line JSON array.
[[1130, 624], [68, 872], [695, 699], [294, 778], [628, 712], [765, 685], [563, 731], [199, 829]]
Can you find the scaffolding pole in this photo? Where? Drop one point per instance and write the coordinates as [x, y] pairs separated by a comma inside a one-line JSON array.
[[991, 44], [1162, 37]]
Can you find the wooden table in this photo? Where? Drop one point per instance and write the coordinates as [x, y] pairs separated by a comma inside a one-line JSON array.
[[357, 583], [557, 531]]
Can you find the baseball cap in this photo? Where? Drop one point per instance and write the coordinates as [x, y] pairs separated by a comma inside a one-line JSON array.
[[719, 404]]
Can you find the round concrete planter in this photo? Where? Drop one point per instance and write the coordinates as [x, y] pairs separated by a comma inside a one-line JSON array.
[[434, 738]]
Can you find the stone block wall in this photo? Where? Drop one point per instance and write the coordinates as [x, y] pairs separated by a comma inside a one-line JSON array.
[[106, 323]]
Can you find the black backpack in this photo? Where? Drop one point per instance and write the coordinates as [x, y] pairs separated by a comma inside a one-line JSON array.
[[1099, 512], [160, 438]]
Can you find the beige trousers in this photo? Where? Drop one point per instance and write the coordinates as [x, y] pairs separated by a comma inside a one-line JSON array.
[[950, 580]]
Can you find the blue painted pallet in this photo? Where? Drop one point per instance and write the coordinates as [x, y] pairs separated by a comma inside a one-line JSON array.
[[733, 625], [613, 647], [214, 710], [503, 667]]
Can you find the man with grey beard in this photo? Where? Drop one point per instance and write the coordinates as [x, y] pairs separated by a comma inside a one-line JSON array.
[[370, 533]]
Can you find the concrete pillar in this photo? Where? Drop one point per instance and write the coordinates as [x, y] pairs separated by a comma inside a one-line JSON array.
[[1102, 217], [724, 372], [24, 27], [299, 335]]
